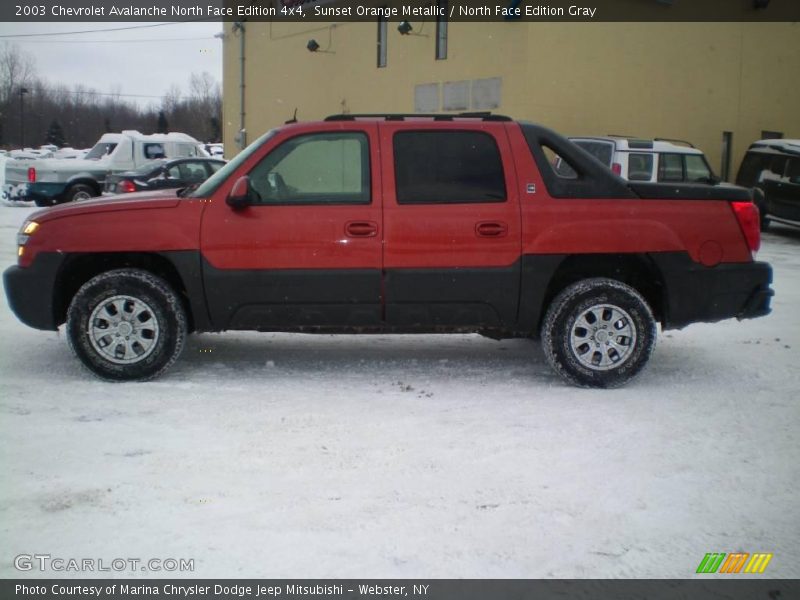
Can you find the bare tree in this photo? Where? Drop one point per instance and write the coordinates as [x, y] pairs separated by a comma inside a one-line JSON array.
[[17, 70]]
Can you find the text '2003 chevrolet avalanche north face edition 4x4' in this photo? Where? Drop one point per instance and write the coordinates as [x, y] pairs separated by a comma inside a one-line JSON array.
[[393, 223]]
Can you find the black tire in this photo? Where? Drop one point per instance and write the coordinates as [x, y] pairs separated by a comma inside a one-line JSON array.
[[598, 333], [42, 202], [79, 191], [132, 302]]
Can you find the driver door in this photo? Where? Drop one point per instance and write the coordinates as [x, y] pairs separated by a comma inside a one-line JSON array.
[[306, 252]]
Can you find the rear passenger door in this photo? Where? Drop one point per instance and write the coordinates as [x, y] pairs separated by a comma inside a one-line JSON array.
[[451, 226]]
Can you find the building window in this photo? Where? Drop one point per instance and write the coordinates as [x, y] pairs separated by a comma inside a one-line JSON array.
[[727, 150], [383, 25], [441, 32]]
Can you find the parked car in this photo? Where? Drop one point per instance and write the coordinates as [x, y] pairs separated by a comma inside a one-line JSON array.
[[215, 150], [163, 174], [53, 181], [772, 167], [396, 224], [658, 160]]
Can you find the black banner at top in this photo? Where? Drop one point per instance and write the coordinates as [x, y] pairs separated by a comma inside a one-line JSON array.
[[399, 10]]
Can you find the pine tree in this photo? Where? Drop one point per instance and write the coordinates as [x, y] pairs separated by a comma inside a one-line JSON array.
[[163, 126], [55, 134]]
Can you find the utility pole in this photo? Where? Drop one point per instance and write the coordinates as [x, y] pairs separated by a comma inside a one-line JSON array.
[[22, 92]]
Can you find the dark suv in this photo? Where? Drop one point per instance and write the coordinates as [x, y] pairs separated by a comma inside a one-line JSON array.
[[772, 168]]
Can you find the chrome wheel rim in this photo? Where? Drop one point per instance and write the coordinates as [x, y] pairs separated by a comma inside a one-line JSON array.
[[123, 329], [602, 337], [81, 196]]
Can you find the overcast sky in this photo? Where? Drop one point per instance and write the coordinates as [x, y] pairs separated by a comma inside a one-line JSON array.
[[142, 61]]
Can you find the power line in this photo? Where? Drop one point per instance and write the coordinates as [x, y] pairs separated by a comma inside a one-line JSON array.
[[150, 40], [93, 93], [56, 33]]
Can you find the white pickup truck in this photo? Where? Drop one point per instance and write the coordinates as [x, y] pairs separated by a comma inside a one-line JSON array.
[[52, 181]]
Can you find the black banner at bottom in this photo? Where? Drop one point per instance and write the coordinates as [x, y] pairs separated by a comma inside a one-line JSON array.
[[418, 589]]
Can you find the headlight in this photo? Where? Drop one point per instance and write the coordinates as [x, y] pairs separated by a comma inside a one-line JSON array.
[[28, 228]]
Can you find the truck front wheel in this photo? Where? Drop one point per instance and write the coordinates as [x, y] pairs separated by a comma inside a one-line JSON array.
[[79, 191], [598, 333], [126, 324]]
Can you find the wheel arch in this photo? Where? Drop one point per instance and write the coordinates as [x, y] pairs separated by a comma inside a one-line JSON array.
[[79, 269], [83, 180], [638, 271]]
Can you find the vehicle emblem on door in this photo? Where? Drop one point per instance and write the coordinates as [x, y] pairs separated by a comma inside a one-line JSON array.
[[531, 188]]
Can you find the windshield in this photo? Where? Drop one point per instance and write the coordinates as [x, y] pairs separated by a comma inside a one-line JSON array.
[[210, 185], [148, 167], [100, 150]]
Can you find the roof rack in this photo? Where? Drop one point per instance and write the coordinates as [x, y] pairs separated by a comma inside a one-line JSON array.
[[484, 116], [690, 144]]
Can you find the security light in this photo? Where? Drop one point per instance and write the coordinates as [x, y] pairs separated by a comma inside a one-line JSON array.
[[404, 28], [312, 45]]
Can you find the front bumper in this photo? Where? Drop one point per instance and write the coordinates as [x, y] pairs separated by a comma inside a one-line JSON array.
[[694, 293], [31, 291]]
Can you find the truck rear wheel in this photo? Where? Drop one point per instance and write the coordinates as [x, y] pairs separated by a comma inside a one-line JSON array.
[[79, 191], [126, 324], [598, 333]]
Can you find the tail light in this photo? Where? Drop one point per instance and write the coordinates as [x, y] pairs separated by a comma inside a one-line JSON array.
[[747, 216], [616, 168], [126, 186], [31, 174]]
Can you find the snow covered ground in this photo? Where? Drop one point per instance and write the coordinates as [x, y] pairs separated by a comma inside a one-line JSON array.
[[271, 455]]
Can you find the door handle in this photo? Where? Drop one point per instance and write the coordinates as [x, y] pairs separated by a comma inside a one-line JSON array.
[[491, 229], [361, 229]]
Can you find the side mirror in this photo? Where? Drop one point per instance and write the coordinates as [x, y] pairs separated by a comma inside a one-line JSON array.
[[239, 196]]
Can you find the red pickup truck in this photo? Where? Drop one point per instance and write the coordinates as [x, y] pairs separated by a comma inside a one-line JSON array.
[[396, 223]]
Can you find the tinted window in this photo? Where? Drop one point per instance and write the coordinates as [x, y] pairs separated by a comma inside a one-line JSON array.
[[751, 168], [148, 169], [670, 167], [602, 151], [776, 168], [154, 151], [325, 168], [212, 183], [793, 170], [215, 166], [447, 167], [100, 150], [640, 167], [193, 171], [697, 168]]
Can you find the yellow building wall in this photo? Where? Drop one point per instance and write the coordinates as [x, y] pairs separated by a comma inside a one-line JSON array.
[[688, 81]]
